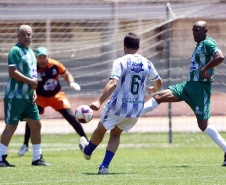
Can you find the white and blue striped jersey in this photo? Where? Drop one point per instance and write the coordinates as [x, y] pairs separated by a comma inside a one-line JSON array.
[[132, 72]]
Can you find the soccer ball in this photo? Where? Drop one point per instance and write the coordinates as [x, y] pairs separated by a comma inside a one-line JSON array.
[[84, 114]]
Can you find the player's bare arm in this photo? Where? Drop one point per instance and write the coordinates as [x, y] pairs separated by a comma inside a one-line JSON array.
[[34, 98], [215, 61], [68, 77], [156, 87], [108, 90], [70, 80], [14, 73]]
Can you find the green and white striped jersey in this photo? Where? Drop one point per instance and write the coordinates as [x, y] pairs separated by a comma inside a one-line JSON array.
[[201, 56], [25, 61]]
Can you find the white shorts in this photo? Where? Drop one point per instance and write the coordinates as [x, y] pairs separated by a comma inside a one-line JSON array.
[[110, 120]]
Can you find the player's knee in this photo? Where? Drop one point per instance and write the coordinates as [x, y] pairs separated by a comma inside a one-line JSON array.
[[157, 98], [116, 132], [202, 125], [9, 130], [36, 126]]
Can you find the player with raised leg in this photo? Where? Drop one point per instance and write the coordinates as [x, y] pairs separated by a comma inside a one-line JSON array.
[[196, 91], [127, 83]]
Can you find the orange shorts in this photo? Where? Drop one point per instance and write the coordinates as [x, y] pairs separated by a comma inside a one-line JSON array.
[[58, 102]]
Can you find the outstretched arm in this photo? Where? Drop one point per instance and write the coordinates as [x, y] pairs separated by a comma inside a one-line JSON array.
[[70, 80], [108, 90], [215, 61], [156, 87]]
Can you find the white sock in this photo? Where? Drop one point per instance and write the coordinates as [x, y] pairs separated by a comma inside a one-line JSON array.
[[36, 151], [3, 150], [149, 106], [216, 137]]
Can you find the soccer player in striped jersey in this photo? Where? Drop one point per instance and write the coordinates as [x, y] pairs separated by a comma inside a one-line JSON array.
[[20, 96], [127, 83], [196, 91], [49, 92]]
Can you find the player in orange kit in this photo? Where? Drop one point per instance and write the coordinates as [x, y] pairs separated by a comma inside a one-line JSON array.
[[49, 92]]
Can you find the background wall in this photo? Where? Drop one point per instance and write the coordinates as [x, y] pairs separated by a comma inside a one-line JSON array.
[[87, 36]]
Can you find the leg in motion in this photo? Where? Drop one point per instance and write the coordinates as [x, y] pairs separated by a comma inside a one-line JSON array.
[[163, 96], [112, 147], [214, 135], [96, 139], [70, 117]]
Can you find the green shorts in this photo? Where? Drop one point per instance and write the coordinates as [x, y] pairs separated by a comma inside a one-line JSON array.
[[18, 109], [196, 95]]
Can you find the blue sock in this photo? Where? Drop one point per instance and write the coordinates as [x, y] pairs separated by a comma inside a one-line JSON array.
[[107, 159], [90, 148]]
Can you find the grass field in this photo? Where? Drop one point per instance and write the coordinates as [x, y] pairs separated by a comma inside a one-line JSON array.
[[141, 159]]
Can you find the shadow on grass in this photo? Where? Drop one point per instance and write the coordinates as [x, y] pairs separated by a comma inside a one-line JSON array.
[[103, 174], [182, 166]]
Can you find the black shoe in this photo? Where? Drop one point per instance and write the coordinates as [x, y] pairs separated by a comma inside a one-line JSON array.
[[40, 162], [5, 163], [224, 163]]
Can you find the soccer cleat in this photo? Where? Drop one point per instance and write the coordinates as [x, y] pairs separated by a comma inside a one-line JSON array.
[[22, 150], [224, 163], [82, 145], [40, 162], [5, 163], [103, 170]]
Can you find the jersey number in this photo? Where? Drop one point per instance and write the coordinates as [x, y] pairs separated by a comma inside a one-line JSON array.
[[135, 84]]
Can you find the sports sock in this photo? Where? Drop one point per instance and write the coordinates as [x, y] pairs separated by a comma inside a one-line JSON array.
[[3, 150], [107, 159], [36, 151], [149, 106], [90, 148], [216, 137]]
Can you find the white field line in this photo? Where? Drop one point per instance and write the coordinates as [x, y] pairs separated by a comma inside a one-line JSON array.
[[65, 147]]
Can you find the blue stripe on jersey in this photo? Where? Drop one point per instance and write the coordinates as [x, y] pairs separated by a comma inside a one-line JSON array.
[[124, 108], [114, 100], [149, 65], [117, 113], [135, 105], [129, 114], [123, 79], [124, 104], [143, 78], [105, 118]]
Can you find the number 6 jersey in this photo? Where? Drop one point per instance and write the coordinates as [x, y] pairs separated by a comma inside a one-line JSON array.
[[132, 72]]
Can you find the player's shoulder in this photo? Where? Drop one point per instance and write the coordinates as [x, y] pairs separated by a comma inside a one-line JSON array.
[[52, 61], [16, 48], [119, 60], [144, 60], [209, 41]]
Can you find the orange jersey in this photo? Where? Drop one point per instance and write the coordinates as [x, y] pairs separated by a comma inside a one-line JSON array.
[[48, 83]]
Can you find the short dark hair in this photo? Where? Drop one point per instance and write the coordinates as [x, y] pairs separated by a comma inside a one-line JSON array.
[[132, 41]]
